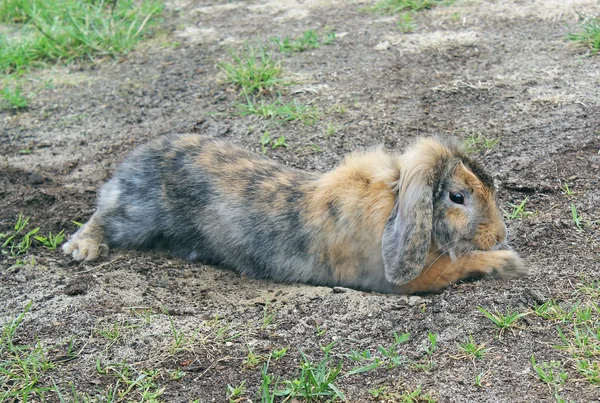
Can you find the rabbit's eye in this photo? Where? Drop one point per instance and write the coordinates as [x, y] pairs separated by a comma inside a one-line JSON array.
[[457, 198]]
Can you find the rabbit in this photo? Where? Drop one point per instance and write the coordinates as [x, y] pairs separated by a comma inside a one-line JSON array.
[[406, 223]]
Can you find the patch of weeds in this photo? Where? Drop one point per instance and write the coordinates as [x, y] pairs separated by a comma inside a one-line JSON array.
[[315, 381], [577, 220], [12, 10], [131, 383], [479, 379], [176, 374], [268, 311], [13, 96], [331, 129], [576, 314], [518, 210], [590, 288], [432, 345], [278, 110], [503, 320], [566, 190], [476, 142], [406, 22], [252, 359], [63, 30], [471, 350], [268, 385], [143, 314], [309, 40], [179, 339], [588, 34], [320, 330], [398, 6], [266, 143], [18, 242], [391, 356], [578, 330], [51, 241], [236, 393], [253, 70], [113, 332], [309, 148], [337, 108], [216, 330], [383, 393], [278, 354], [550, 372], [23, 368]]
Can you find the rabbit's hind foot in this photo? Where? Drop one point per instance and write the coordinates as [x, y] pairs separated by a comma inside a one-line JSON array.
[[88, 243]]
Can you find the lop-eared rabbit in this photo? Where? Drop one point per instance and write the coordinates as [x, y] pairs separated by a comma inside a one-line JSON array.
[[391, 223]]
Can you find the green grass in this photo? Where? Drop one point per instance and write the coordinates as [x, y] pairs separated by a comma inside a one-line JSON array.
[[252, 359], [13, 96], [518, 210], [567, 191], [476, 142], [315, 381], [63, 30], [576, 217], [24, 369], [266, 144], [309, 40], [471, 350], [549, 372], [51, 242], [399, 6], [503, 320], [406, 22], [18, 241], [131, 384], [588, 35], [383, 393], [253, 70], [235, 393], [279, 111], [331, 129], [577, 323]]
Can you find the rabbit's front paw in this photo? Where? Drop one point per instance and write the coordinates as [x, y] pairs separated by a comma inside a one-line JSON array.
[[85, 248], [507, 264], [87, 243]]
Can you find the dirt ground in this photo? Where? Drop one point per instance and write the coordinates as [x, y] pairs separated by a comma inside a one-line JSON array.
[[500, 68]]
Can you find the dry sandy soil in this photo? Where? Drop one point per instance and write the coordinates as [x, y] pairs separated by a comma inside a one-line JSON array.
[[500, 68]]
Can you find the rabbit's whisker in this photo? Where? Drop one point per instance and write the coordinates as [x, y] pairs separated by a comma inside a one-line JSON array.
[[448, 267]]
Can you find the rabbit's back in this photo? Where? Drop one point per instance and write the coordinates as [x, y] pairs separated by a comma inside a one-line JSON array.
[[210, 201]]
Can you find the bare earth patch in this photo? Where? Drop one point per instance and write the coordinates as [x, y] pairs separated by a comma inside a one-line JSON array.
[[482, 70]]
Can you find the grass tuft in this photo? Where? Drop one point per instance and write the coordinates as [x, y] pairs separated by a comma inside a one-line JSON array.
[[399, 6], [278, 110], [518, 210], [23, 368], [588, 35], [63, 30], [309, 40], [253, 70]]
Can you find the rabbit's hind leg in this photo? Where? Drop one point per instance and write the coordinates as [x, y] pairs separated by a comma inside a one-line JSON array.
[[88, 243]]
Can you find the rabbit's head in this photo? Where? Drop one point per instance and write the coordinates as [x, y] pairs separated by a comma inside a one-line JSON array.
[[445, 203]]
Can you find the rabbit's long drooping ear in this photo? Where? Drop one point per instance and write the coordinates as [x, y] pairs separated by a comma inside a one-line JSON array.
[[407, 233]]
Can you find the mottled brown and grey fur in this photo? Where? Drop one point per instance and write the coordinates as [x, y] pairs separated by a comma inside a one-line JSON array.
[[381, 222]]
